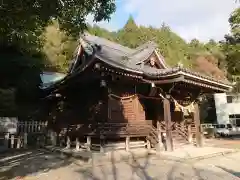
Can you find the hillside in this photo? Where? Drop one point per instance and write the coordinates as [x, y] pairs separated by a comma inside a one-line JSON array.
[[204, 58]]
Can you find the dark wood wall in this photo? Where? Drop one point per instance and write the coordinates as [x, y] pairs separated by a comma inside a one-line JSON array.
[[115, 103], [125, 110], [124, 104]]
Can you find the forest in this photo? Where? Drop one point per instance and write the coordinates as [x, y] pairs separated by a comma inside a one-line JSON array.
[[33, 40]]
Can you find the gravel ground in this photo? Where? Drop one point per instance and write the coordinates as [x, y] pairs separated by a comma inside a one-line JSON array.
[[48, 166]]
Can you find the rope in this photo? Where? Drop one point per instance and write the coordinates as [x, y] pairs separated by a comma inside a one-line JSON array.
[[129, 97], [189, 108], [121, 98]]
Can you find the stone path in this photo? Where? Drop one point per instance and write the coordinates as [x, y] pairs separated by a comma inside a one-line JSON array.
[[45, 166]]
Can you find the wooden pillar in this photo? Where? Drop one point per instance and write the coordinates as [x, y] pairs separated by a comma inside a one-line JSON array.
[[127, 143], [196, 119], [77, 144], [102, 143], [189, 133], [167, 119], [60, 139], [25, 140], [68, 143], [159, 146], [12, 141], [148, 145], [89, 143], [53, 137], [6, 140], [18, 142]]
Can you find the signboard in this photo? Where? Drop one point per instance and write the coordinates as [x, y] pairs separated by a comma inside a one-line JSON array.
[[8, 124]]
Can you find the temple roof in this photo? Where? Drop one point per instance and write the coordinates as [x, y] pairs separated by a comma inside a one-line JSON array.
[[130, 59], [121, 56]]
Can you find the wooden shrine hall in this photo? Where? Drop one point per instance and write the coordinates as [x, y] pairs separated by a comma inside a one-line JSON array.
[[116, 95]]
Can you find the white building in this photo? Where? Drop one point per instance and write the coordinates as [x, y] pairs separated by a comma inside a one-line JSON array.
[[227, 108]]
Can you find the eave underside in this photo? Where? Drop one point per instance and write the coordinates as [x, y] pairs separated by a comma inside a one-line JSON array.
[[169, 77]]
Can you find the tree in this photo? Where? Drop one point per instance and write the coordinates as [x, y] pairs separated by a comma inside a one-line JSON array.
[[19, 80], [130, 35], [21, 26], [234, 22], [58, 47], [174, 49], [231, 45], [21, 20]]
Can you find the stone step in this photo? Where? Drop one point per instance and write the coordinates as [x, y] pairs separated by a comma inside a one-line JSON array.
[[119, 145]]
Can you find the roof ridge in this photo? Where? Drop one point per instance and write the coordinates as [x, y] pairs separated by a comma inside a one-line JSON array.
[[107, 41], [144, 46], [186, 70]]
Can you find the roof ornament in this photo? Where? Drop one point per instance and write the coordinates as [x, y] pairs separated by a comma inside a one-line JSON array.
[[98, 47], [152, 61], [180, 64]]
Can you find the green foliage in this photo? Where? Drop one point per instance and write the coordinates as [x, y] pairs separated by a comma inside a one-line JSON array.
[[130, 35], [58, 47], [19, 80], [7, 103], [234, 22], [231, 47], [27, 47], [171, 46], [18, 19]]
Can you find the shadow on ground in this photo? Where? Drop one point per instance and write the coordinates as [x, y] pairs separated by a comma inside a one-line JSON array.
[[237, 174], [150, 168], [28, 162], [35, 162]]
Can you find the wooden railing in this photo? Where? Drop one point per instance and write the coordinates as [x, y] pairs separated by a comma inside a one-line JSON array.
[[177, 128], [181, 130], [118, 129], [31, 126], [111, 130]]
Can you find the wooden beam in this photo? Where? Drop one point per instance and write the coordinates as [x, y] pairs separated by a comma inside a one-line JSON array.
[[147, 97], [196, 119], [167, 81], [153, 91], [167, 119]]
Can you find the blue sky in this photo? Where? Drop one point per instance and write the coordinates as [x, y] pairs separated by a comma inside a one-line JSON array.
[[202, 19]]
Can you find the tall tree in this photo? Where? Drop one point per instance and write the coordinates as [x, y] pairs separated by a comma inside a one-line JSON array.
[[231, 47], [130, 34], [22, 23], [22, 19], [58, 47]]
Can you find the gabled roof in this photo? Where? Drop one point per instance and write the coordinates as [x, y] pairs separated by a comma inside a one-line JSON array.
[[128, 59], [121, 56]]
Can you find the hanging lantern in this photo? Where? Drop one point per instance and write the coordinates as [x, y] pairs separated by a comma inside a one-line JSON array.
[[97, 66], [103, 83]]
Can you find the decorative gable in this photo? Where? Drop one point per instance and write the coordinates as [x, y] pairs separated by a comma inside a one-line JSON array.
[[154, 61]]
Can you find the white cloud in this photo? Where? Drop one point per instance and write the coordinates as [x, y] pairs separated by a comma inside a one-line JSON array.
[[104, 24], [202, 19]]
